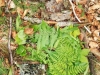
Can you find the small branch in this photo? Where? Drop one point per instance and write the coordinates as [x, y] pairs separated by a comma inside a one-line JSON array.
[[9, 41]]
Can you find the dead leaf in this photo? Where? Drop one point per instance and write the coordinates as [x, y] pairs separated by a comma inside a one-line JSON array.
[[82, 2], [90, 17], [2, 3], [25, 23], [28, 31], [81, 36], [95, 22], [14, 34], [96, 33], [51, 22], [92, 28], [13, 46], [95, 38], [12, 5], [93, 44], [95, 51], [20, 11], [96, 6], [59, 1], [25, 12], [53, 6], [61, 16]]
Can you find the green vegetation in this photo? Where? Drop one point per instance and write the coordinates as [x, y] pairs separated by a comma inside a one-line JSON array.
[[59, 48], [3, 70]]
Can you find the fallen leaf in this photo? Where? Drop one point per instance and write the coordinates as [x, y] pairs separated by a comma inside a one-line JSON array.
[[2, 3], [59, 1], [51, 22], [12, 5], [14, 34], [96, 6], [61, 16], [81, 36], [95, 51], [25, 23], [96, 33], [95, 38], [92, 28], [82, 2], [90, 17], [13, 46], [53, 6], [20, 11], [95, 22], [25, 12], [93, 44], [28, 31]]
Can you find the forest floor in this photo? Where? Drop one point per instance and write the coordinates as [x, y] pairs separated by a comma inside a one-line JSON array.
[[18, 24]]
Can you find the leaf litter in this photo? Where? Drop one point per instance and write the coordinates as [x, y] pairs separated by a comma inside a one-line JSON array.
[[55, 13]]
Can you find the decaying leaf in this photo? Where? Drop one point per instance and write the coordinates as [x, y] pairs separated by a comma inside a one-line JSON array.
[[61, 16], [96, 33], [96, 6], [20, 11], [95, 51], [28, 31], [25, 23], [59, 1], [81, 36], [14, 34], [13, 46], [25, 12], [93, 44], [2, 3], [12, 5], [53, 6], [82, 2]]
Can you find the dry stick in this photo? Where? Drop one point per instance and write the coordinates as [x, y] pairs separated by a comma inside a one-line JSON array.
[[9, 41], [9, 46]]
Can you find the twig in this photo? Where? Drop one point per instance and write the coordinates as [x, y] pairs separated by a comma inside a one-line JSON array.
[[9, 41], [73, 8]]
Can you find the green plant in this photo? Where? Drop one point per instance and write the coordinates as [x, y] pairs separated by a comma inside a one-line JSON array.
[[18, 22], [3, 70], [59, 48], [21, 50], [44, 38], [2, 20]]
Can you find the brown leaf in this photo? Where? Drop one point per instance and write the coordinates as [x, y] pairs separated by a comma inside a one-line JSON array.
[[51, 22], [28, 31], [14, 34], [2, 3], [93, 44], [59, 1], [12, 5], [20, 11], [96, 6], [96, 33], [25, 12], [25, 23], [95, 51], [82, 2], [13, 46], [81, 36]]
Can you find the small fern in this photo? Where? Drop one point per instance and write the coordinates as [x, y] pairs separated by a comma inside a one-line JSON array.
[[68, 53]]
